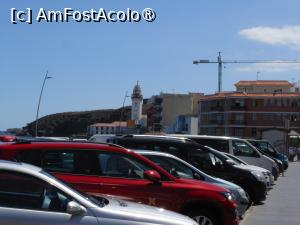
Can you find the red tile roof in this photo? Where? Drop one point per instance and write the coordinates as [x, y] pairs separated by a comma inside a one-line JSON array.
[[249, 95], [263, 83]]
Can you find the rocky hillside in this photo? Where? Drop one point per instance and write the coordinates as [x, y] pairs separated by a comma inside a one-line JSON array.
[[75, 123]]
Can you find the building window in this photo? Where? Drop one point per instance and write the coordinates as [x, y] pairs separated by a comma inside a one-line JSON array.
[[239, 132], [293, 118], [254, 103], [186, 127], [239, 117], [240, 102], [253, 116], [294, 103], [254, 132], [279, 103]]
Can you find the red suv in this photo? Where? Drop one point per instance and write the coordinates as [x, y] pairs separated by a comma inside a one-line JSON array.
[[112, 170], [7, 138]]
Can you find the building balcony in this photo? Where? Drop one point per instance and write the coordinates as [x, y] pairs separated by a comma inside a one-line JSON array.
[[236, 107], [237, 122], [217, 108], [216, 122]]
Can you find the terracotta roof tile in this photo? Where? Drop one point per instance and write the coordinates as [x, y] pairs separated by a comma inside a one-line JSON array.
[[249, 95], [263, 83]]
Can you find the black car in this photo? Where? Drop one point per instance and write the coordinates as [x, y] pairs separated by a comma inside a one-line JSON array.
[[206, 159], [267, 149]]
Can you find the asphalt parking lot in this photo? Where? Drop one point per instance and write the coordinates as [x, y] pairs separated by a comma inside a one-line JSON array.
[[282, 205]]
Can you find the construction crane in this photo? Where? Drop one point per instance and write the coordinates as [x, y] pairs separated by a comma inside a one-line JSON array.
[[220, 65]]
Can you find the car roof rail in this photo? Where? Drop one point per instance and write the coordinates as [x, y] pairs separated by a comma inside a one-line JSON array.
[[29, 141], [128, 136]]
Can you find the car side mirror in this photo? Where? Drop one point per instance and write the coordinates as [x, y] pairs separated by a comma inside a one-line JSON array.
[[152, 175], [198, 177], [74, 208], [219, 166]]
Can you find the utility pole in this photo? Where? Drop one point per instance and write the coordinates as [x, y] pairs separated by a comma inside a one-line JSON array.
[[219, 72]]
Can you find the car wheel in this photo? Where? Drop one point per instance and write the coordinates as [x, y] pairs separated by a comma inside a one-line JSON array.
[[250, 195], [203, 217]]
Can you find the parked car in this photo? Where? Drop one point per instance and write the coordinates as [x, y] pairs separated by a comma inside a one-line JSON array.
[[182, 169], [208, 160], [239, 148], [268, 175], [109, 169], [266, 147], [29, 195], [277, 161], [7, 138]]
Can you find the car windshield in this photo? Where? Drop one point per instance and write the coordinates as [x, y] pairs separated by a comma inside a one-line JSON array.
[[173, 166], [265, 146], [100, 201], [236, 160]]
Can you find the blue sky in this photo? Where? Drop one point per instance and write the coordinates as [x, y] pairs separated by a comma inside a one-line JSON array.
[[94, 64]]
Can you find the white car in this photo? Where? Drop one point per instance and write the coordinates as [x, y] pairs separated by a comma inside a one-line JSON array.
[[30, 196], [240, 148], [266, 173]]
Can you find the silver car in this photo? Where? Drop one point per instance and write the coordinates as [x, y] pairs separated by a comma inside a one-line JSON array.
[[180, 168], [269, 178], [30, 196]]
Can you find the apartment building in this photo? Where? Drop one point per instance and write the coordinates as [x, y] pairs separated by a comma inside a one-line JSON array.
[[164, 109], [255, 107]]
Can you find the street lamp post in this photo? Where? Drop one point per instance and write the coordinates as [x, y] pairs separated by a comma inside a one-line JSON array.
[[122, 109], [38, 108]]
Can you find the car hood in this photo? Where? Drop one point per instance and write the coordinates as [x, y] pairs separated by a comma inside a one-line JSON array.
[[281, 156], [251, 168], [224, 183], [201, 185], [135, 213]]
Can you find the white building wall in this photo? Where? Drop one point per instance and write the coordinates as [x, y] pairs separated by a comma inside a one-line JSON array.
[[192, 125], [136, 113]]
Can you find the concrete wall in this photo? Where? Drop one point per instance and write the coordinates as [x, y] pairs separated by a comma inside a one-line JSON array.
[[174, 105]]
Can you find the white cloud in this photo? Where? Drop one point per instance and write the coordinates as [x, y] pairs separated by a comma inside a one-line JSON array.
[[287, 35], [276, 67]]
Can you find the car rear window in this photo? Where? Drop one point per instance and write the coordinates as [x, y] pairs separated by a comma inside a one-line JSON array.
[[30, 156], [71, 161]]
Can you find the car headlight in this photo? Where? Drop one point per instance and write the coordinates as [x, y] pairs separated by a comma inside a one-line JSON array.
[[228, 196], [258, 175]]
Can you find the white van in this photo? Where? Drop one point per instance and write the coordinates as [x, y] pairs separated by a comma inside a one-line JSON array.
[[238, 147], [101, 138]]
